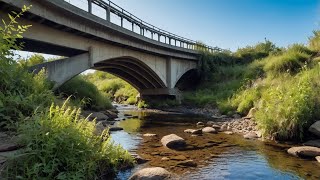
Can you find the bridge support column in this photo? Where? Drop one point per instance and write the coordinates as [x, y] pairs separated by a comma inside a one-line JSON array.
[[60, 71]]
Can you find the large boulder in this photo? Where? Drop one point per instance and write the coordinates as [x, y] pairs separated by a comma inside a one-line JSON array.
[[314, 143], [153, 173], [209, 130], [304, 151], [315, 128], [173, 141]]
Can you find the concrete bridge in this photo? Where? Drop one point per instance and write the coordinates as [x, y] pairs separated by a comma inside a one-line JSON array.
[[152, 60]]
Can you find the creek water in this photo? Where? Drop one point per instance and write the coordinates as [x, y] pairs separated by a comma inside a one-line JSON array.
[[218, 156]]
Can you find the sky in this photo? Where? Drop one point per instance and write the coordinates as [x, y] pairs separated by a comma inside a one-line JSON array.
[[229, 24]]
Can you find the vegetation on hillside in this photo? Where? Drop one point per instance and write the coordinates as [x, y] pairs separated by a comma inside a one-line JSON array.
[[57, 143], [114, 88], [281, 83]]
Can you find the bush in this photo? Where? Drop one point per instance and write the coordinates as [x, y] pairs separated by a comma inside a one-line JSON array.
[[314, 41], [79, 88], [285, 110], [291, 61], [59, 144]]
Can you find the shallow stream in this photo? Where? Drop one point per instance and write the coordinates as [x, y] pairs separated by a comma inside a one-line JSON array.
[[218, 156]]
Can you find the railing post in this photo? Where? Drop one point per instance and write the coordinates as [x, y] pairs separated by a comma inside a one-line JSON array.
[[132, 27], [108, 13], [90, 6], [159, 36], [151, 35], [170, 41], [175, 42], [121, 21]]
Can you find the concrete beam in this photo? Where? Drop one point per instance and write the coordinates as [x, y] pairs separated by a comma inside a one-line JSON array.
[[60, 71]]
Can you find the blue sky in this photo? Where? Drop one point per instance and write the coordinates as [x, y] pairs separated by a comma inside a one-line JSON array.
[[231, 23]]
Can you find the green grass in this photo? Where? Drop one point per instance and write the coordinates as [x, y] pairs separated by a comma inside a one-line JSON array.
[[282, 87], [81, 89], [59, 144], [115, 88]]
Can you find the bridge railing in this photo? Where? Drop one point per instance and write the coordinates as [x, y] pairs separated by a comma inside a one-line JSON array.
[[144, 27]]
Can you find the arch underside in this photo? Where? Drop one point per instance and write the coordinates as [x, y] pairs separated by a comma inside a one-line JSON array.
[[134, 71]]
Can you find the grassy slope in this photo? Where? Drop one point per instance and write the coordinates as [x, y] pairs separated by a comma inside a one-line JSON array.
[[281, 84]]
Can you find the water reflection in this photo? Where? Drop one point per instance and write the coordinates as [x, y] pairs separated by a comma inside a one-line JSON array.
[[231, 157]]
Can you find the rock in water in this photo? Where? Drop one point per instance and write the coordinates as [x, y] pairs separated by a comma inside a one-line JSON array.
[[209, 130], [173, 141], [149, 135], [153, 173], [193, 131], [315, 128], [200, 124], [318, 158], [314, 143], [304, 151]]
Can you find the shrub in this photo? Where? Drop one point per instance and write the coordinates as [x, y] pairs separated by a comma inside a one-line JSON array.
[[291, 61], [79, 88], [314, 41], [286, 109], [59, 144]]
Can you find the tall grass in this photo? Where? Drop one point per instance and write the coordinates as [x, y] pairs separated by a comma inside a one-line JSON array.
[[114, 87], [59, 144], [282, 84], [81, 89]]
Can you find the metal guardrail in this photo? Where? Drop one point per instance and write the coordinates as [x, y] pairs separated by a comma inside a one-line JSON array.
[[156, 33]]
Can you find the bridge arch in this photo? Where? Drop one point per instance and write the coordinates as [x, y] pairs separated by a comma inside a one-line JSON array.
[[187, 79], [132, 70]]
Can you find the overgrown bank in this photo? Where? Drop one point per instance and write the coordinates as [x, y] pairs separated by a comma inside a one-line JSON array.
[[57, 143], [280, 83]]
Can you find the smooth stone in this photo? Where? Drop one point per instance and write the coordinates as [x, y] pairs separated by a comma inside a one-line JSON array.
[[200, 124], [187, 163], [318, 158], [217, 127], [314, 143], [304, 151], [165, 159], [250, 135], [8, 147], [228, 132], [115, 129], [149, 135], [224, 127], [210, 123], [315, 128], [140, 160], [209, 130], [153, 173], [173, 141], [193, 131]]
